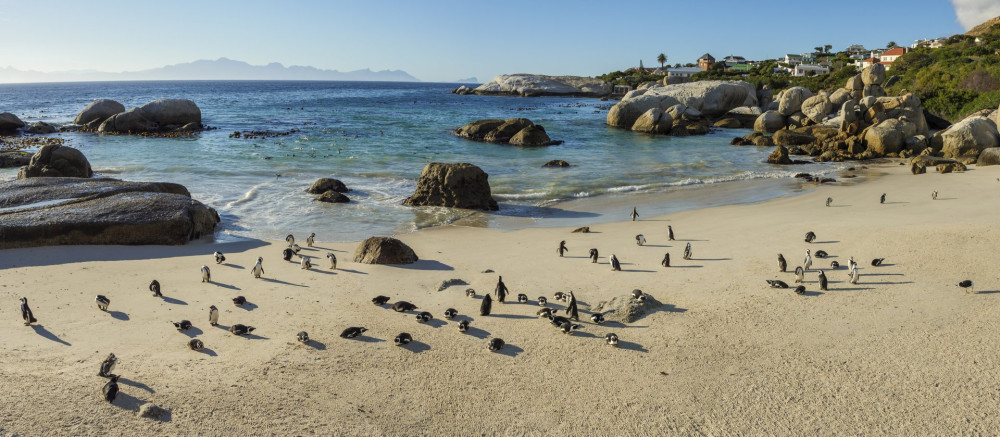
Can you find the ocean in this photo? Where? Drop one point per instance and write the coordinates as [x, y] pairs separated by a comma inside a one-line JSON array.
[[376, 137]]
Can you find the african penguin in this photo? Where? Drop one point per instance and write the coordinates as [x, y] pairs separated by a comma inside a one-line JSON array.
[[306, 264], [219, 257], [597, 318], [239, 329], [782, 265], [829, 200], [821, 254], [213, 315], [615, 265], [634, 215], [800, 290], [296, 249], [311, 239], [155, 288], [810, 236], [542, 301], [470, 292], [206, 274], [822, 280], [666, 260], [544, 312], [402, 306], [495, 345], [687, 251], [522, 298], [967, 285], [239, 300], [670, 233], [110, 389], [611, 338], [302, 337], [486, 306], [450, 313], [877, 262], [463, 326], [290, 239], [182, 325], [403, 338], [571, 309], [934, 195], [568, 328], [855, 275], [562, 248], [333, 260], [424, 317], [107, 366], [834, 265], [640, 239], [559, 296], [102, 302], [808, 261], [882, 199], [380, 300], [196, 345], [286, 254], [258, 269], [800, 275], [636, 294], [501, 290], [352, 332], [774, 283], [557, 321], [593, 256]]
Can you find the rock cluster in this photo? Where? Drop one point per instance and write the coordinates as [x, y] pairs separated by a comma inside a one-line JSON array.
[[459, 185], [626, 309], [9, 123], [684, 109], [514, 131], [330, 190], [384, 250], [533, 85], [161, 116]]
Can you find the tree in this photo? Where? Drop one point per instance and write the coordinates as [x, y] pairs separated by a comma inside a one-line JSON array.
[[892, 45], [826, 48], [662, 59], [818, 49]]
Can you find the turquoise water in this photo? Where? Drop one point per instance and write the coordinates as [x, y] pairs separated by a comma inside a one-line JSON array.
[[376, 137]]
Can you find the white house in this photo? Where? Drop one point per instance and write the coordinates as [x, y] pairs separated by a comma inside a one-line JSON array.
[[809, 70], [683, 71]]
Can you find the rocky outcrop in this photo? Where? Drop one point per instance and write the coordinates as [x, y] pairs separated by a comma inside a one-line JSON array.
[[791, 100], [770, 121], [514, 131], [333, 197], [40, 128], [460, 185], [507, 130], [885, 138], [969, 137], [950, 167], [711, 98], [99, 211], [989, 156], [323, 185], [56, 161], [531, 136], [533, 85], [158, 116], [627, 309], [728, 123], [785, 137], [14, 158], [653, 121], [98, 111], [779, 156], [556, 163], [873, 75], [817, 107], [384, 250], [9, 123]]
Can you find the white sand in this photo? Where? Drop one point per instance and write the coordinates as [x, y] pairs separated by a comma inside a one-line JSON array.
[[903, 352]]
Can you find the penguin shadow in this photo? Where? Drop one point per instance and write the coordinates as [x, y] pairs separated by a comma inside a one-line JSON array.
[[687, 239], [889, 283], [638, 271], [883, 274], [512, 316], [427, 264], [839, 206], [711, 259], [510, 350], [126, 401], [946, 198], [694, 266], [812, 293], [173, 301], [893, 203], [416, 346], [226, 286], [656, 245], [318, 345], [435, 323], [367, 339], [118, 315], [247, 306], [222, 327], [192, 332], [45, 333], [632, 346], [584, 334], [986, 291], [855, 289], [208, 352], [885, 265], [278, 281], [254, 337], [481, 334], [234, 266], [826, 242], [351, 271], [671, 308], [325, 272], [135, 384]]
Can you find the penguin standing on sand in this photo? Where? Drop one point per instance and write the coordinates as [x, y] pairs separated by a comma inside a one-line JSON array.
[[809, 260], [290, 239], [501, 290], [687, 251], [258, 269], [800, 275], [107, 366], [333, 260], [155, 288], [296, 249], [486, 306], [822, 280], [302, 337], [522, 298], [934, 195], [287, 254], [670, 233], [634, 215], [666, 260], [882, 199], [495, 345], [213, 315], [219, 257], [615, 265], [311, 239], [110, 389], [829, 200], [782, 265], [26, 314], [593, 256], [571, 309], [542, 301], [206, 274], [855, 275], [640, 239], [102, 302], [306, 264], [562, 248]]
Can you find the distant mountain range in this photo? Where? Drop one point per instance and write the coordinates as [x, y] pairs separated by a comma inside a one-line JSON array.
[[219, 69]]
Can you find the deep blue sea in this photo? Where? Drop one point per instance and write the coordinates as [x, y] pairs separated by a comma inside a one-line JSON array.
[[376, 137]]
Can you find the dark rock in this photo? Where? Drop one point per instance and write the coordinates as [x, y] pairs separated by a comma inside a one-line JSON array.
[[763, 141], [157, 116], [459, 185], [779, 156], [507, 130], [918, 168], [98, 110], [478, 129], [935, 121], [57, 161], [41, 128], [582, 230], [950, 167], [323, 185], [556, 163], [785, 137], [989, 156], [803, 176], [333, 197], [9, 123], [531, 136], [740, 141], [384, 250], [14, 158]]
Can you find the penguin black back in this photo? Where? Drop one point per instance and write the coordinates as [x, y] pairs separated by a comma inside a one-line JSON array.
[[155, 288], [486, 306], [380, 300], [111, 389]]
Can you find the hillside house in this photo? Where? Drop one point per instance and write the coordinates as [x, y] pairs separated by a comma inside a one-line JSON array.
[[856, 49], [705, 61], [734, 60], [683, 71], [809, 70]]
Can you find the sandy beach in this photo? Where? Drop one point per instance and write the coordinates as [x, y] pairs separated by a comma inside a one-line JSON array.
[[904, 352]]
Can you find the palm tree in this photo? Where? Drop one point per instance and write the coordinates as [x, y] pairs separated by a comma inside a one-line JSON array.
[[662, 59], [892, 44]]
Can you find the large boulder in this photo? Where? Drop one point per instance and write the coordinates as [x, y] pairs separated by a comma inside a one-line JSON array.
[[98, 110], [9, 123], [712, 98], [791, 100], [873, 75], [989, 156], [885, 138], [969, 137], [770, 121], [817, 107], [785, 137], [779, 156], [906, 106], [40, 128], [627, 309], [653, 121], [333, 197], [507, 130], [459, 185], [531, 136], [855, 83], [478, 129], [323, 185], [14, 158], [132, 121], [747, 115], [100, 211], [384, 250], [531, 85], [56, 161], [157, 116], [513, 131], [840, 96]]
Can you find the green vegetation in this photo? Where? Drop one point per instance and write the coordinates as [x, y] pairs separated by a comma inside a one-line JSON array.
[[631, 77], [662, 59]]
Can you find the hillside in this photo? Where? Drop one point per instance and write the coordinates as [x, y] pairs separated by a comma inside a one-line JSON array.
[[983, 28]]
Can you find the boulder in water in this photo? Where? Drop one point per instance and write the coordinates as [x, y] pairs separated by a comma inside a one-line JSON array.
[[458, 185], [57, 161]]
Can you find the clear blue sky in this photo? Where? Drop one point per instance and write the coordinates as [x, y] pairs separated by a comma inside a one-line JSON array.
[[448, 40]]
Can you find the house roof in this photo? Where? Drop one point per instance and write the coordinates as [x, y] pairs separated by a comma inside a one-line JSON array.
[[872, 60], [706, 56], [684, 70], [894, 52]]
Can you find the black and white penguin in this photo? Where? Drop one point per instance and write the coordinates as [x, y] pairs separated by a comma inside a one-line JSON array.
[[403, 306], [800, 290], [522, 298], [501, 290], [155, 288], [934, 195], [774, 283], [670, 233], [469, 292], [290, 239], [213, 315], [463, 326], [829, 200], [810, 236], [306, 264], [353, 332], [571, 309], [544, 312], [110, 389], [877, 262], [380, 300], [637, 294], [333, 260], [640, 239], [258, 269], [206, 274], [666, 260], [821, 254], [559, 296], [403, 338], [611, 338], [102, 302], [615, 265], [424, 317], [568, 328], [108, 366], [286, 254], [486, 306], [882, 199], [302, 337], [542, 301], [800, 275], [182, 325], [196, 345], [239, 329], [296, 249], [851, 264], [634, 215], [311, 239], [239, 300], [808, 261], [495, 345], [855, 276], [219, 257], [782, 265], [688, 253], [597, 318], [557, 321], [593, 256], [834, 265], [450, 313], [562, 248], [822, 280], [967, 285]]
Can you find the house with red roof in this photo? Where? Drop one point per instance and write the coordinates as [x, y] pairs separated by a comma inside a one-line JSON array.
[[885, 58]]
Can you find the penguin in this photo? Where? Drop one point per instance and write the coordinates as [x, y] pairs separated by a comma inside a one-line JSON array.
[[239, 329], [611, 338], [934, 195], [851, 265], [834, 265], [352, 332], [542, 301], [522, 298], [206, 274], [403, 306], [782, 265], [637, 294], [799, 275], [258, 269], [486, 306], [562, 248], [559, 296], [571, 309], [666, 260], [687, 251], [882, 199], [808, 261], [774, 283], [380, 300], [239, 300], [302, 337], [470, 292], [829, 200], [967, 285], [800, 290], [855, 275], [557, 321], [108, 366], [219, 257], [182, 325], [810, 236], [822, 281], [463, 326], [597, 318], [593, 256], [296, 249], [403, 338], [213, 315], [102, 302], [196, 345], [877, 262], [670, 233], [110, 389], [450, 313], [424, 317], [615, 265], [640, 239], [306, 264], [290, 239], [544, 312], [501, 290], [568, 328], [821, 254], [155, 288], [333, 260], [311, 239], [287, 254], [634, 215], [495, 345]]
